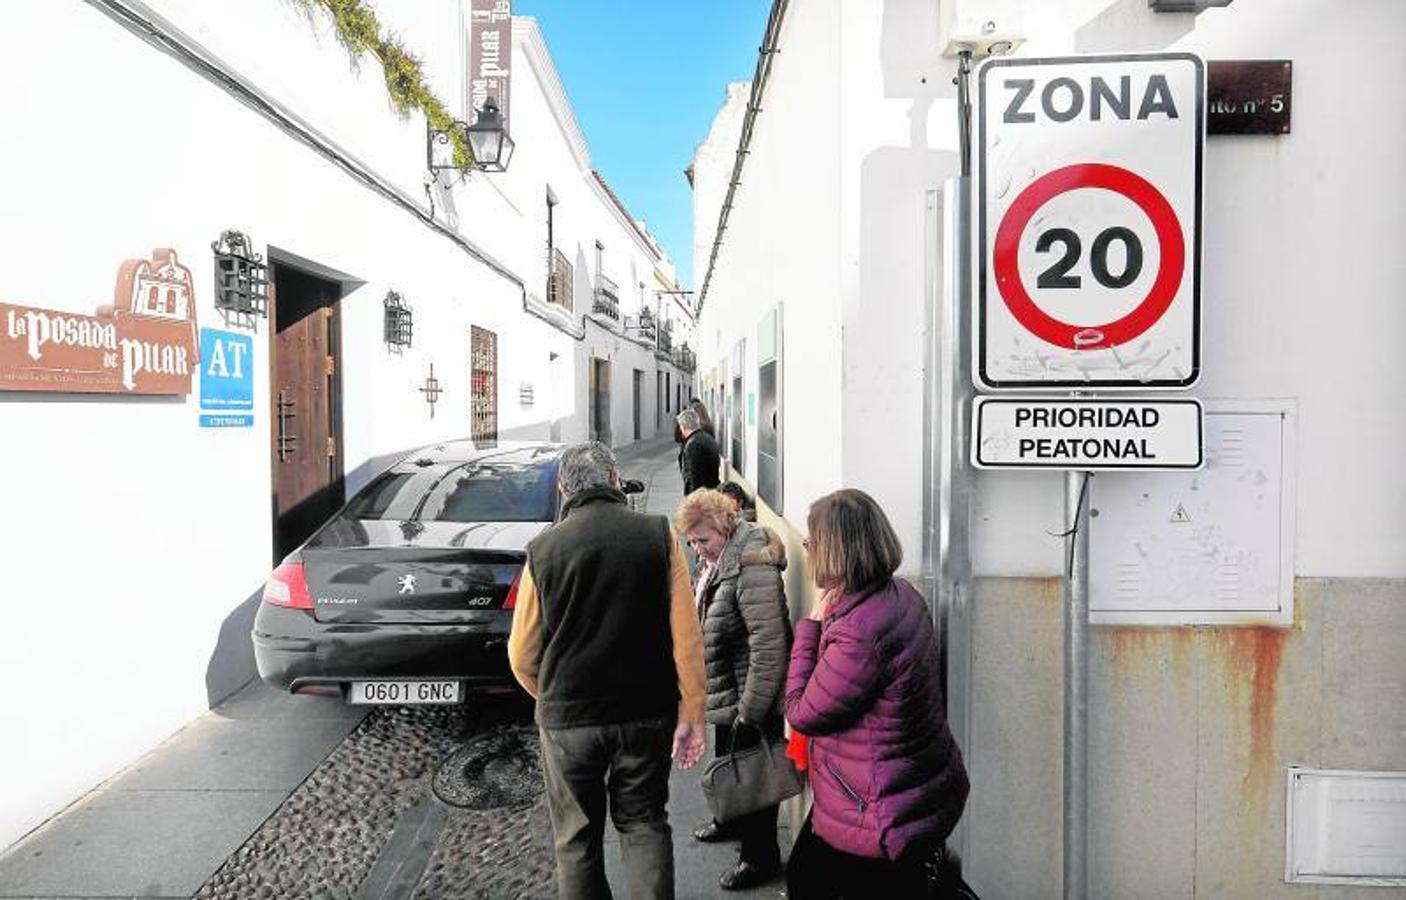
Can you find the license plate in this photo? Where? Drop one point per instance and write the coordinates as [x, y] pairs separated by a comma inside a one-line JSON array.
[[405, 693]]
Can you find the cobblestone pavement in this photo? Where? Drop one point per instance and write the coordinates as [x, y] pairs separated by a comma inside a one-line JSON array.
[[369, 822], [422, 803]]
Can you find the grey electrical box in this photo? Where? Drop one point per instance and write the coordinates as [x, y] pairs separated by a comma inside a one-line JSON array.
[[1213, 546]]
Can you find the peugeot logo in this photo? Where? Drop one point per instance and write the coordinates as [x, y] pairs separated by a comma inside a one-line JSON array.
[[407, 584]]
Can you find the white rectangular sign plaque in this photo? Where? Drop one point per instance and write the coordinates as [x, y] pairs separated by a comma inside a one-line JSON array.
[[1087, 222], [1086, 435]]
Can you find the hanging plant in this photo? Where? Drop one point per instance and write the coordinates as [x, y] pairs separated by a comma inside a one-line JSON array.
[[359, 31]]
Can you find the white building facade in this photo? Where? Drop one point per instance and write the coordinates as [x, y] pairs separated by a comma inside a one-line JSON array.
[[815, 335], [141, 527]]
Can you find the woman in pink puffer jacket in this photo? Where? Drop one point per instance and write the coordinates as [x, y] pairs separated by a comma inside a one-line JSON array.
[[886, 775]]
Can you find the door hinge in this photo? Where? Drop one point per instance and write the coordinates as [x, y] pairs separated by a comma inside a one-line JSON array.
[[331, 446], [330, 368]]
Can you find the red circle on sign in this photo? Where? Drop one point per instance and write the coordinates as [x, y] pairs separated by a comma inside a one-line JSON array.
[[1119, 331]]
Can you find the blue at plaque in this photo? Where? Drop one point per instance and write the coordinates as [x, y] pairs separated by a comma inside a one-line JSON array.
[[226, 371]]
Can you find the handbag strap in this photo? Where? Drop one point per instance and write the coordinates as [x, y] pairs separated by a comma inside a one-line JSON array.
[[732, 735], [732, 745]]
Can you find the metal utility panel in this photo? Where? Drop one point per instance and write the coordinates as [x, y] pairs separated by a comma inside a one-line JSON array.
[[1208, 547], [1346, 827]]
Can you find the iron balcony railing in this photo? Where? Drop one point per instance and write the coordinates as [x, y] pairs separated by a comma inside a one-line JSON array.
[[558, 279], [607, 300], [685, 359], [647, 325], [665, 341]]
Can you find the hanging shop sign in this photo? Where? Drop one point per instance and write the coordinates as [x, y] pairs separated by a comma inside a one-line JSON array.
[[490, 56], [1249, 96], [1086, 435], [226, 379], [144, 343], [1088, 222]]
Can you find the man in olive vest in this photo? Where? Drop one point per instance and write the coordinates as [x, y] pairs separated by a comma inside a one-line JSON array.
[[606, 638]]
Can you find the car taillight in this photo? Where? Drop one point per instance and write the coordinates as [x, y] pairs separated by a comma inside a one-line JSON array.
[[288, 586], [511, 602]]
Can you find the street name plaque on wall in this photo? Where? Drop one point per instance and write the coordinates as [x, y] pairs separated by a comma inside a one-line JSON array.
[[146, 342], [1249, 96]]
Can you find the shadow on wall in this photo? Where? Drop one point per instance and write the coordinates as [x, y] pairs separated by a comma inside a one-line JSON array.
[[1128, 26], [913, 67], [231, 664]]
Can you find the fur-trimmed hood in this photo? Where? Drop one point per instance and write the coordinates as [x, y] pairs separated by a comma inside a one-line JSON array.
[[772, 553]]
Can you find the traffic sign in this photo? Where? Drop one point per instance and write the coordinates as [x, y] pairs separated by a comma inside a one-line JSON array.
[[1087, 435], [1088, 222]]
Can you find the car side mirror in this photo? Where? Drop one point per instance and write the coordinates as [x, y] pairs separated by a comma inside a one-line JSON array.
[[632, 486]]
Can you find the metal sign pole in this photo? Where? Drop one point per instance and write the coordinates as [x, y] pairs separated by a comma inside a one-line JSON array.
[[1076, 685], [951, 479]]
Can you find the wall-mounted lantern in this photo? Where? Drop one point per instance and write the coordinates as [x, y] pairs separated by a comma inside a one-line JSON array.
[[488, 138], [241, 278], [399, 322]]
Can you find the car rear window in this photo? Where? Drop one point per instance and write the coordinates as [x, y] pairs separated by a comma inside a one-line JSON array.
[[467, 493]]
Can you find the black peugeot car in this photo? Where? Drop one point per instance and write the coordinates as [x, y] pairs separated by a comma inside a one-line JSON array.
[[406, 595]]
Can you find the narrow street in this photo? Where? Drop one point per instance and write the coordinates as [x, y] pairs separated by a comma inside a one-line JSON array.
[[414, 803]]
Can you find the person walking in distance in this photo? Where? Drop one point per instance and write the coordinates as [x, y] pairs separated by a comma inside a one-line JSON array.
[[887, 776], [705, 422], [746, 641], [746, 506], [606, 638], [700, 460]]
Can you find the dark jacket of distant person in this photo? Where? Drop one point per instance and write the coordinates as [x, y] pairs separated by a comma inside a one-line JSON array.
[[701, 462]]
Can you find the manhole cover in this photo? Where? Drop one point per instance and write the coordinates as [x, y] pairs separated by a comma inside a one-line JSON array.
[[492, 770]]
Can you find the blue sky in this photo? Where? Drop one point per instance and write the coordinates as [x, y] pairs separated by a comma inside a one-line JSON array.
[[645, 79]]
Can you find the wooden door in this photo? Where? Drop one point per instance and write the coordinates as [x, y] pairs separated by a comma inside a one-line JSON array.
[[639, 400], [600, 401], [307, 473]]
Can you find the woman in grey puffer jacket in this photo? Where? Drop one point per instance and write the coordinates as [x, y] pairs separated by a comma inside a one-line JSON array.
[[746, 642]]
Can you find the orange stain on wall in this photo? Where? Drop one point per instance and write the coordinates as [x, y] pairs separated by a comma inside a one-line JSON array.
[[1253, 655]]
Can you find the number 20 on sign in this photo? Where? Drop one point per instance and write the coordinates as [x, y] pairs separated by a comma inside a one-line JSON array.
[[1088, 222]]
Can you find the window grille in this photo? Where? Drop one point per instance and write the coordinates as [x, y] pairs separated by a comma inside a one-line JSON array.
[[484, 382], [399, 322]]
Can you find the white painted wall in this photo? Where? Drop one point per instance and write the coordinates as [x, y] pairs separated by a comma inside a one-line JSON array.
[[135, 536], [783, 246], [1294, 226]]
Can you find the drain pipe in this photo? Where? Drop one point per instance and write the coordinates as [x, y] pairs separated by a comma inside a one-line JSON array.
[[949, 481], [754, 106]]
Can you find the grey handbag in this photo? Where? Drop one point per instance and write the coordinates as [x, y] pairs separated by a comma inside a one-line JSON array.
[[749, 779]]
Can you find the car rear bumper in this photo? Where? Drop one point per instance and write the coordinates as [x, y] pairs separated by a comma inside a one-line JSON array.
[[293, 650]]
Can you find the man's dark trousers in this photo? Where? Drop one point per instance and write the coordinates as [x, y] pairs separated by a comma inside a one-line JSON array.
[[629, 764]]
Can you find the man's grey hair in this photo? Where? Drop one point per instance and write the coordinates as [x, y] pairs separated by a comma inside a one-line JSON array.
[[585, 466], [688, 420]]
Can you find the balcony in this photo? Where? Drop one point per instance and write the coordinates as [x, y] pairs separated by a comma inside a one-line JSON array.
[[685, 359], [607, 300], [665, 343], [559, 279], [647, 327]]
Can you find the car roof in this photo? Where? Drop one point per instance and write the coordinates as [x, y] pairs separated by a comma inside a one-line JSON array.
[[454, 453]]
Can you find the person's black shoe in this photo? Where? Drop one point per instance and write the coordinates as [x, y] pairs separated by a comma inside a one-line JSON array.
[[712, 833], [746, 875]]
